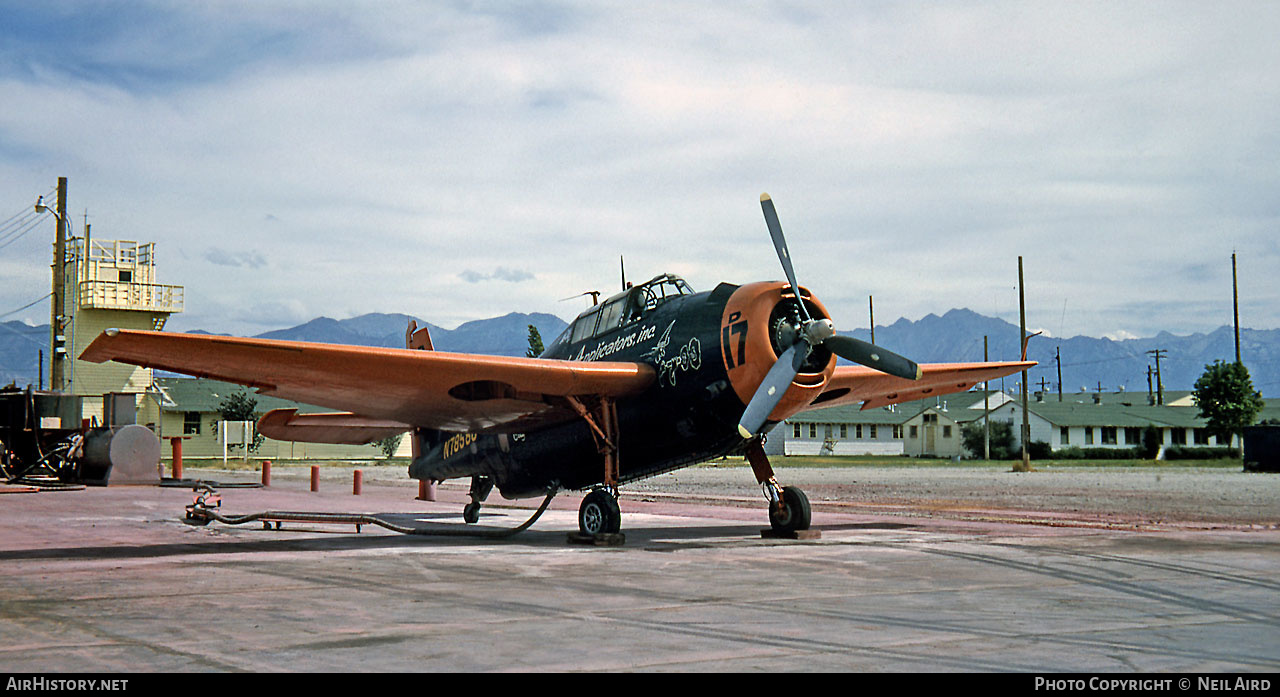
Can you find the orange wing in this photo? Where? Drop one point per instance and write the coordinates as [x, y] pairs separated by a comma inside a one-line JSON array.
[[447, 391], [856, 383]]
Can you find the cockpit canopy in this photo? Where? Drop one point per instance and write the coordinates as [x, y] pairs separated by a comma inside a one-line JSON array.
[[624, 308]]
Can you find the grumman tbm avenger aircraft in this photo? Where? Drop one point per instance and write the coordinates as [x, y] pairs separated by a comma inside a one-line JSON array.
[[652, 379]]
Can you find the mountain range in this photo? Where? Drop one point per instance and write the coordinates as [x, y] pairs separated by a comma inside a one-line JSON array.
[[1087, 362]]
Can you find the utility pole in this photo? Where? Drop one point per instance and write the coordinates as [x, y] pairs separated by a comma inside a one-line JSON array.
[[1057, 358], [1151, 395], [1026, 418], [1044, 384], [1159, 353], [1235, 303], [57, 338], [871, 307], [986, 408]]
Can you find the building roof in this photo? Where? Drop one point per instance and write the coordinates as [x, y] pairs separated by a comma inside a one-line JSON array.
[[204, 395], [957, 404], [1118, 409]]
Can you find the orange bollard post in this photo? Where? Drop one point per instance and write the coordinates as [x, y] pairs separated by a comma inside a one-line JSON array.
[[176, 443], [357, 482], [315, 477], [426, 490], [266, 473]]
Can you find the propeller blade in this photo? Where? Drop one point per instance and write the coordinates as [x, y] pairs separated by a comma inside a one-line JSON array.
[[873, 356], [770, 392], [780, 244]]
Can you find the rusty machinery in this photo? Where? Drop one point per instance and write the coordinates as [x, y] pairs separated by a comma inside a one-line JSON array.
[[43, 440]]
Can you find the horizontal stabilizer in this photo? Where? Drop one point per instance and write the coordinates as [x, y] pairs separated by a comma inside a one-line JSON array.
[[334, 427]]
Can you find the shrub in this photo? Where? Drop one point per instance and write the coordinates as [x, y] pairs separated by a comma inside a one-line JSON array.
[[1038, 450], [1003, 446], [1078, 453], [1182, 452]]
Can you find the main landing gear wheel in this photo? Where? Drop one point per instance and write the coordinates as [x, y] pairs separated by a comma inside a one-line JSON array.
[[599, 513], [791, 513], [480, 488]]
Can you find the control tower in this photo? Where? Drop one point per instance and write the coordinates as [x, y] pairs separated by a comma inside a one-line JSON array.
[[113, 284]]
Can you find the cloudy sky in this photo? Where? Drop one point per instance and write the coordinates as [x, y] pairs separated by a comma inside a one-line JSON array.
[[456, 161]]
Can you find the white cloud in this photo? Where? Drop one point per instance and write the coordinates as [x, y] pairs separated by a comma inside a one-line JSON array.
[[372, 155]]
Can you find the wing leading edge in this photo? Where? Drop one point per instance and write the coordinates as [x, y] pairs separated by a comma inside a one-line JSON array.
[[856, 383], [430, 389]]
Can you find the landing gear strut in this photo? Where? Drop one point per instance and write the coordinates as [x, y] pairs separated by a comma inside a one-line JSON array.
[[480, 488], [789, 511], [599, 513]]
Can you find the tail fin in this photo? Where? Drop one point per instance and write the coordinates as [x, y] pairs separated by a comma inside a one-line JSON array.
[[415, 338]]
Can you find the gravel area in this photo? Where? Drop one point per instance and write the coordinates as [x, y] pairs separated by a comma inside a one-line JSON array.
[[1157, 493], [1118, 494]]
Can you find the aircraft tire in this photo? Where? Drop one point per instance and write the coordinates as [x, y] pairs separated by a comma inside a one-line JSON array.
[[471, 513], [794, 513], [599, 513]]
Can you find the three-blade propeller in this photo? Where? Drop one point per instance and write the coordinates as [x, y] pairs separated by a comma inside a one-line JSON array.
[[810, 334]]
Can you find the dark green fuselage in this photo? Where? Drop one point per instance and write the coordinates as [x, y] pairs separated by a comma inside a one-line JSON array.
[[688, 415]]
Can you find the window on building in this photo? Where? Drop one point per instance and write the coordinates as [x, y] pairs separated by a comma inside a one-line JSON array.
[[1064, 436], [1088, 435], [126, 277], [857, 431], [1201, 436], [826, 431], [1109, 435], [1132, 435], [795, 430], [873, 432], [813, 430], [897, 432], [844, 431], [946, 431], [1178, 436], [191, 423], [915, 431]]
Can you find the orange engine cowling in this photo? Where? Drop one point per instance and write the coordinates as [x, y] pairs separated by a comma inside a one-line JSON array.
[[754, 332]]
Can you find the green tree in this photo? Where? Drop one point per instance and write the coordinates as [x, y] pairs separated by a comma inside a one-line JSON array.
[[1003, 444], [1226, 398], [535, 343], [1151, 439], [240, 407], [390, 444]]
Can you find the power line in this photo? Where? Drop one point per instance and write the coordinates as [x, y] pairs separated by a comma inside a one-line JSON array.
[[21, 335], [33, 302], [19, 220], [28, 210], [13, 312], [19, 234]]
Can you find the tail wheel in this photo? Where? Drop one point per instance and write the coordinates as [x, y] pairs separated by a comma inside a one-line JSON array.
[[792, 512], [599, 513]]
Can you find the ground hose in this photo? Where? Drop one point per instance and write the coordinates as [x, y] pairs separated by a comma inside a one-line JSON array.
[[205, 510]]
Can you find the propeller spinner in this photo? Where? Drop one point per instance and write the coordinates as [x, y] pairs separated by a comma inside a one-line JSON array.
[[806, 335]]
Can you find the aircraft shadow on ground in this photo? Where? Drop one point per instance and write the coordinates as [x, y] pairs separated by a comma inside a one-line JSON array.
[[343, 538]]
